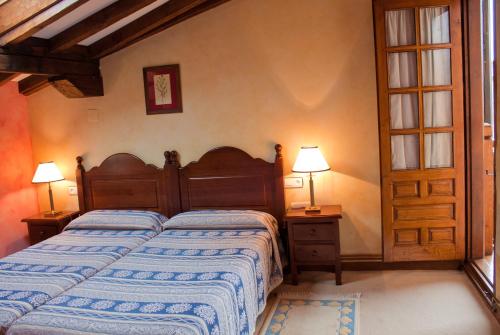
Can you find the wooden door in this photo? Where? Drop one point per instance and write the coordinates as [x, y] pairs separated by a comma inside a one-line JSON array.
[[419, 67]]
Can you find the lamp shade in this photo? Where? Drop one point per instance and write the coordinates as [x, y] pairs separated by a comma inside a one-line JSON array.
[[310, 159], [47, 172]]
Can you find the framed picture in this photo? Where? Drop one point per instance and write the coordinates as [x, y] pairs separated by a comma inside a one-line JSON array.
[[162, 89]]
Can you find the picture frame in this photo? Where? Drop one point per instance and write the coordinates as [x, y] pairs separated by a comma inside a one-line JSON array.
[[162, 89]]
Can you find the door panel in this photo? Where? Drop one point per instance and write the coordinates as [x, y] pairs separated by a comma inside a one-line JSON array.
[[420, 88]]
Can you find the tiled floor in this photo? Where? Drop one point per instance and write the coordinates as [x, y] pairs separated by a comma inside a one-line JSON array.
[[410, 302]]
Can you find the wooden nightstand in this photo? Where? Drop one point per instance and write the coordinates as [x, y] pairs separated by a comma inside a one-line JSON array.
[[41, 227], [314, 240]]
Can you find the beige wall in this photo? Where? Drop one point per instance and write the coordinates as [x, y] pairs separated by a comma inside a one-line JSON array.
[[254, 73]]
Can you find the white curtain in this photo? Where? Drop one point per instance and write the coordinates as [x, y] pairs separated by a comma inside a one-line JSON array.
[[400, 27], [434, 25], [404, 111], [402, 67], [438, 150], [400, 30], [437, 109], [405, 152], [436, 70], [436, 67]]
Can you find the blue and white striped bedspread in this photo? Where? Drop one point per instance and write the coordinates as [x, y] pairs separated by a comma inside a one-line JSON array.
[[31, 277], [182, 282]]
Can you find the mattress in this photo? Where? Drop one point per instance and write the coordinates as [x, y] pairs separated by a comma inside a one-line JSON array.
[[33, 276], [210, 282]]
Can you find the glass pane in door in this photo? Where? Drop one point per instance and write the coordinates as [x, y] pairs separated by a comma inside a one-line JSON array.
[[404, 111], [400, 27], [434, 25], [402, 69], [437, 109], [436, 67], [438, 150], [405, 152]]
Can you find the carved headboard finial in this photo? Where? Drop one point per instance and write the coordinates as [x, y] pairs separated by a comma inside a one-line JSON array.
[[79, 160], [278, 148], [172, 157]]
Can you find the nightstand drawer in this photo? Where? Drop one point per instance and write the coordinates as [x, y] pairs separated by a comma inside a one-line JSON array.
[[39, 233], [313, 232], [305, 253]]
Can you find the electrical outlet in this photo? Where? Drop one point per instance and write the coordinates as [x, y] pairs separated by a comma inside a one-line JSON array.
[[294, 182], [72, 190]]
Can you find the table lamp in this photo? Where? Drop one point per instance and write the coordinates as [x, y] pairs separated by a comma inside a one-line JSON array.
[[310, 160], [47, 173]]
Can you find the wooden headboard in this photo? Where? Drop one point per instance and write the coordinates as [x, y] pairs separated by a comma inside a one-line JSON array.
[[124, 181], [229, 178]]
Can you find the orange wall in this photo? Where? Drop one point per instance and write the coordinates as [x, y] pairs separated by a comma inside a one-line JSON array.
[[17, 195]]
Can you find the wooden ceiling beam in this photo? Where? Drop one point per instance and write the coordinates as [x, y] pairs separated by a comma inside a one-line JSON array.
[[33, 84], [130, 33], [16, 12], [35, 46], [6, 77], [45, 65], [40, 21], [78, 86], [95, 23], [207, 5]]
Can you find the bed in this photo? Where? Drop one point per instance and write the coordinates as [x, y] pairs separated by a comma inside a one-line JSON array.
[[31, 277], [208, 273]]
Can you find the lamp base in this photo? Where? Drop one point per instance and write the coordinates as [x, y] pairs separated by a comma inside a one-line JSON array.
[[51, 214], [313, 209]]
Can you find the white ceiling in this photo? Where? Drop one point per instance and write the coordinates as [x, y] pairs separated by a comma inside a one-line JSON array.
[[73, 17], [88, 9]]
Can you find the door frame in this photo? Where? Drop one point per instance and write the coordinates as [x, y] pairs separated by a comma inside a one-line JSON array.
[[474, 126], [474, 131]]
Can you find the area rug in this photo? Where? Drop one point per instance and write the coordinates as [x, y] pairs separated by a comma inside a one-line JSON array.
[[301, 314]]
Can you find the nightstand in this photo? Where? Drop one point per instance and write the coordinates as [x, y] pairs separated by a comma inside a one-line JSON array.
[[314, 240], [41, 227]]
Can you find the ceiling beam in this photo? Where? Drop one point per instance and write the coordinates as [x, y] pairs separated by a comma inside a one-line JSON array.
[[78, 86], [70, 86], [45, 65], [33, 84], [128, 34], [6, 77], [35, 46], [207, 5], [40, 21], [96, 22], [16, 12]]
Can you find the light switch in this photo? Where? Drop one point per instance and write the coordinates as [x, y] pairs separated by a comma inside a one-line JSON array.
[[294, 182], [72, 190], [93, 115]]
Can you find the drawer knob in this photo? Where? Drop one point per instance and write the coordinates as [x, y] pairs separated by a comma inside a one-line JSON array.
[[42, 233], [315, 252], [312, 231]]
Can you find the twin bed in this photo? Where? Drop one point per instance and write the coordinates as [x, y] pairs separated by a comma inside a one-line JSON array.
[[208, 270]]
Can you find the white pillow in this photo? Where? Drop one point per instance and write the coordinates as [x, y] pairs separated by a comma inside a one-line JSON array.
[[119, 219]]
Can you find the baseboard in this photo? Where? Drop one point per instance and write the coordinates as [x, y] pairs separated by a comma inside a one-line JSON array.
[[362, 262], [374, 262]]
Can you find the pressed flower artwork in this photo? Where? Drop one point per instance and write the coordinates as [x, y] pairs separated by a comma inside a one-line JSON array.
[[162, 89]]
